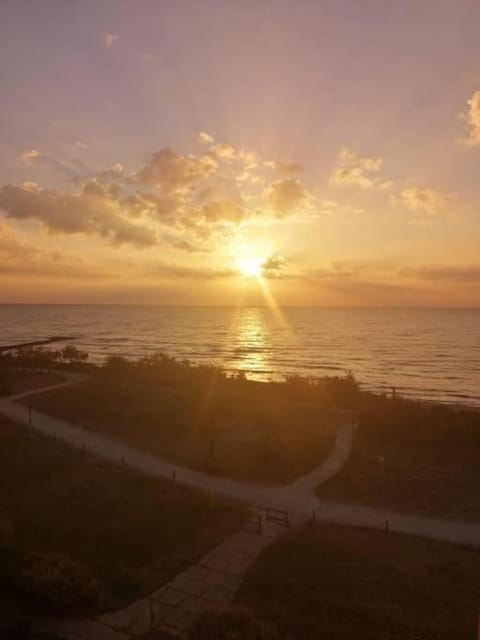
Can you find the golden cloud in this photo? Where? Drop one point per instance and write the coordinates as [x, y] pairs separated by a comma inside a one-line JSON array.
[[424, 199], [363, 172], [472, 118]]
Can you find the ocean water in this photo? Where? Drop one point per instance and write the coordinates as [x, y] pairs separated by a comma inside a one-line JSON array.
[[432, 354]]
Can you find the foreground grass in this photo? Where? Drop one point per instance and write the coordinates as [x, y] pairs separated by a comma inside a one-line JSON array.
[[336, 583], [78, 535], [432, 480], [242, 430]]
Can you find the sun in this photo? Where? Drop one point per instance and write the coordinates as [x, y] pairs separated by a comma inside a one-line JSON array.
[[250, 266]]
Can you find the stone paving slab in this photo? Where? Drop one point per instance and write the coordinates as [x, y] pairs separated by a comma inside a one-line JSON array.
[[136, 615], [79, 630]]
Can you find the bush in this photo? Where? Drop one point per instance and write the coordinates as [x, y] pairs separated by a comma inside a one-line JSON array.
[[57, 580], [14, 624], [4, 388], [229, 624]]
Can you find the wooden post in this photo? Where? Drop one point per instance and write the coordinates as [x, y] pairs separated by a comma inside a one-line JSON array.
[[29, 412], [386, 526], [173, 476], [212, 498]]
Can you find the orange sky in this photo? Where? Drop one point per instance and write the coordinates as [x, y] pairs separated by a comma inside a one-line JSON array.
[[152, 151]]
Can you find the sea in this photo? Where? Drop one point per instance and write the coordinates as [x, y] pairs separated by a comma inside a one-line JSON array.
[[429, 354]]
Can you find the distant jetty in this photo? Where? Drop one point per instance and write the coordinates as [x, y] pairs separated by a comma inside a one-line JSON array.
[[36, 343]]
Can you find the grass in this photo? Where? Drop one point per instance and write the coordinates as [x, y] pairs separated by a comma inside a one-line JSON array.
[[432, 480], [336, 583], [17, 381], [246, 431], [78, 535]]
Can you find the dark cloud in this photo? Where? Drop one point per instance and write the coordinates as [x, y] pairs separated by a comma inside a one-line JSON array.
[[285, 196], [95, 210], [193, 273], [274, 266], [463, 274]]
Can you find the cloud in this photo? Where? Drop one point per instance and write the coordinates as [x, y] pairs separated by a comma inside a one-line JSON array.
[[205, 138], [352, 169], [288, 168], [447, 273], [285, 196], [223, 151], [192, 273], [169, 170], [191, 202], [80, 145], [424, 200], [109, 39], [274, 266], [30, 156], [94, 211], [223, 210], [472, 118], [18, 256]]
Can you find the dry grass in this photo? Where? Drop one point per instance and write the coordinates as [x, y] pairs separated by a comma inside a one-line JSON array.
[[244, 431], [78, 533], [439, 481], [17, 380], [337, 583]]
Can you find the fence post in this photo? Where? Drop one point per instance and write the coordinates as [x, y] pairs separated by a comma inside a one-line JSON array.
[[386, 526], [212, 498], [151, 614], [29, 413], [173, 476]]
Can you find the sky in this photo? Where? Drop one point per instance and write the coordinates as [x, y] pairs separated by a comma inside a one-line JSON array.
[[309, 152]]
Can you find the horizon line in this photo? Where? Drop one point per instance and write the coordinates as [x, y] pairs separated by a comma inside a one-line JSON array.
[[247, 306]]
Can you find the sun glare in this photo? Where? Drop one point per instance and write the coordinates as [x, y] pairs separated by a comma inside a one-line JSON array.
[[250, 266]]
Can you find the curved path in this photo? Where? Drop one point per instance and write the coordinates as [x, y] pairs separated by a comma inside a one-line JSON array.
[[216, 577], [298, 497]]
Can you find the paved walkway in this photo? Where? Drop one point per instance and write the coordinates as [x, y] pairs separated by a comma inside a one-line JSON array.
[[215, 578], [212, 582]]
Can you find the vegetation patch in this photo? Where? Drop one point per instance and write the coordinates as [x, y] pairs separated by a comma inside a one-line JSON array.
[[78, 535], [200, 417], [336, 583], [412, 457]]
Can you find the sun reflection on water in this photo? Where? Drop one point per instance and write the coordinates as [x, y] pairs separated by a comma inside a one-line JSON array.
[[251, 344]]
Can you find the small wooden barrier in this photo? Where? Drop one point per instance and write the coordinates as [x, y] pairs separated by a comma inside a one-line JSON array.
[[278, 516], [254, 523]]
